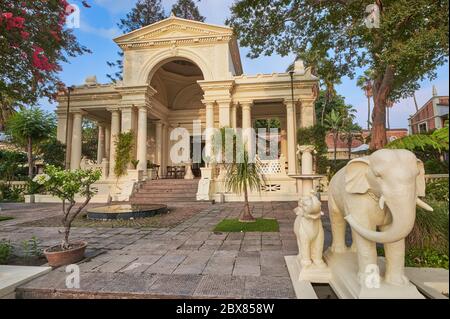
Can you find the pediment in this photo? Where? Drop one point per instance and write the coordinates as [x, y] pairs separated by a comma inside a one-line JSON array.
[[174, 28]]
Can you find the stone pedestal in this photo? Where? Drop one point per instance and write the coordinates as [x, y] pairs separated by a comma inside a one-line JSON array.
[[205, 184], [345, 283], [310, 273]]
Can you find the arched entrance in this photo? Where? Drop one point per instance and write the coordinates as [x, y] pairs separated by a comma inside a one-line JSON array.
[[180, 96]]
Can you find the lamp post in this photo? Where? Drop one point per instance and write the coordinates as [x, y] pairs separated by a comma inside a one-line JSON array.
[[69, 90]]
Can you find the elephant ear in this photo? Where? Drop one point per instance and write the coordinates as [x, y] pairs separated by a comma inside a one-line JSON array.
[[420, 179], [356, 176]]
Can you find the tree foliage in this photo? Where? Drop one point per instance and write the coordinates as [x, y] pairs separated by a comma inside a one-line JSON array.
[[33, 44], [52, 152], [29, 127], [410, 42], [187, 9], [315, 135], [11, 165], [89, 143], [124, 147], [65, 185], [438, 140]]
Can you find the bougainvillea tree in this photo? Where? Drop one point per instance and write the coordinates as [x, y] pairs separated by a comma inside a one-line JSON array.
[[34, 41]]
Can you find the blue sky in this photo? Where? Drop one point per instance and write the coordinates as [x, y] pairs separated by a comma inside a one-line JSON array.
[[98, 27]]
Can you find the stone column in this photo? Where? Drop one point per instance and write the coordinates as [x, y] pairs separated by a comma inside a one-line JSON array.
[[107, 140], [247, 124], [209, 126], [159, 132], [142, 139], [115, 130], [291, 138], [306, 152], [283, 137], [101, 143], [75, 156], [224, 114], [127, 119], [234, 116]]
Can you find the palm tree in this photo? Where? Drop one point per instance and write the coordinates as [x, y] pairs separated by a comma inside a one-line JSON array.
[[333, 122], [28, 127], [365, 83], [242, 176], [350, 132]]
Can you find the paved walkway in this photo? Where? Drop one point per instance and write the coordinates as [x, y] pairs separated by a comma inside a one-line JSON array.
[[188, 260]]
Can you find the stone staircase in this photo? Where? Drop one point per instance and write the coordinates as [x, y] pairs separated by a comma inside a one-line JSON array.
[[166, 191]]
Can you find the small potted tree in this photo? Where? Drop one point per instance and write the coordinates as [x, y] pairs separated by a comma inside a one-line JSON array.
[[66, 185]]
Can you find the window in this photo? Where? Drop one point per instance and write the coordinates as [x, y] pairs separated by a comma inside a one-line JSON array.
[[423, 127]]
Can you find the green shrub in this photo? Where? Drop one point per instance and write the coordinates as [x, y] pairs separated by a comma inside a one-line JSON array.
[[34, 188], [5, 251], [426, 258], [435, 166], [437, 190], [10, 194], [31, 248], [315, 135], [431, 229]]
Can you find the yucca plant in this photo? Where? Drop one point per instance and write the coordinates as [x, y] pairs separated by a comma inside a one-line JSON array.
[[244, 176]]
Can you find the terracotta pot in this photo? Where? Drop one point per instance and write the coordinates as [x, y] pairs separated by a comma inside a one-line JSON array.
[[65, 257]]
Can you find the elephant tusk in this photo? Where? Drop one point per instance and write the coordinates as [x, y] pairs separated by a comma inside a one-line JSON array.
[[381, 202], [423, 205]]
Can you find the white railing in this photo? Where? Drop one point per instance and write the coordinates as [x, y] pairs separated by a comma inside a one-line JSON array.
[[274, 167], [433, 177], [22, 185]]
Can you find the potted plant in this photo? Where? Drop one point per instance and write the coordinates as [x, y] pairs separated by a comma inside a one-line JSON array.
[[66, 185], [135, 163]]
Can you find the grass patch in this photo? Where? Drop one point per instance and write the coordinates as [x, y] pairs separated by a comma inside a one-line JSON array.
[[2, 218], [234, 225]]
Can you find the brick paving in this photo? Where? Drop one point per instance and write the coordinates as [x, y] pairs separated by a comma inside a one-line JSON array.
[[187, 260]]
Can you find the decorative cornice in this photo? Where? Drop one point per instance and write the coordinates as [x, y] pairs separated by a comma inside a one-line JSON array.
[[175, 42]]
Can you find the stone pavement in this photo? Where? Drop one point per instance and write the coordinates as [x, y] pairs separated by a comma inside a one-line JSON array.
[[185, 261]]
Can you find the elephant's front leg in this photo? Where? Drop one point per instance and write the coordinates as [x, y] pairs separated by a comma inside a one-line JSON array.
[[367, 257], [395, 263]]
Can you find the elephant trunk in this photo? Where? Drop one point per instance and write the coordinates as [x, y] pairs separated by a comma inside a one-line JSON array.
[[403, 218]]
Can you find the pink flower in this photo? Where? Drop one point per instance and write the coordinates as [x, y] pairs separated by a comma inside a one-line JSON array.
[[7, 15], [25, 35], [40, 61]]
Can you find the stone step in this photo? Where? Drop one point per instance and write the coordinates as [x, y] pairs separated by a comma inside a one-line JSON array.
[[173, 187], [166, 191], [164, 196]]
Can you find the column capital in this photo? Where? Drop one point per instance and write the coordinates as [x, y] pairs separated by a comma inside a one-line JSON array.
[[78, 112], [113, 109], [209, 103], [224, 102], [246, 104]]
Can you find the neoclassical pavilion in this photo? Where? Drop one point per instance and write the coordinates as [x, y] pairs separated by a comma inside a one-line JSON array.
[[177, 71]]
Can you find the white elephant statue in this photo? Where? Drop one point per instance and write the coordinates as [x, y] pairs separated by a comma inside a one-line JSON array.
[[377, 192], [309, 231]]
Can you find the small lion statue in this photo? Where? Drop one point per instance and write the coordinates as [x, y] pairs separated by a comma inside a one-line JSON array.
[[309, 231]]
